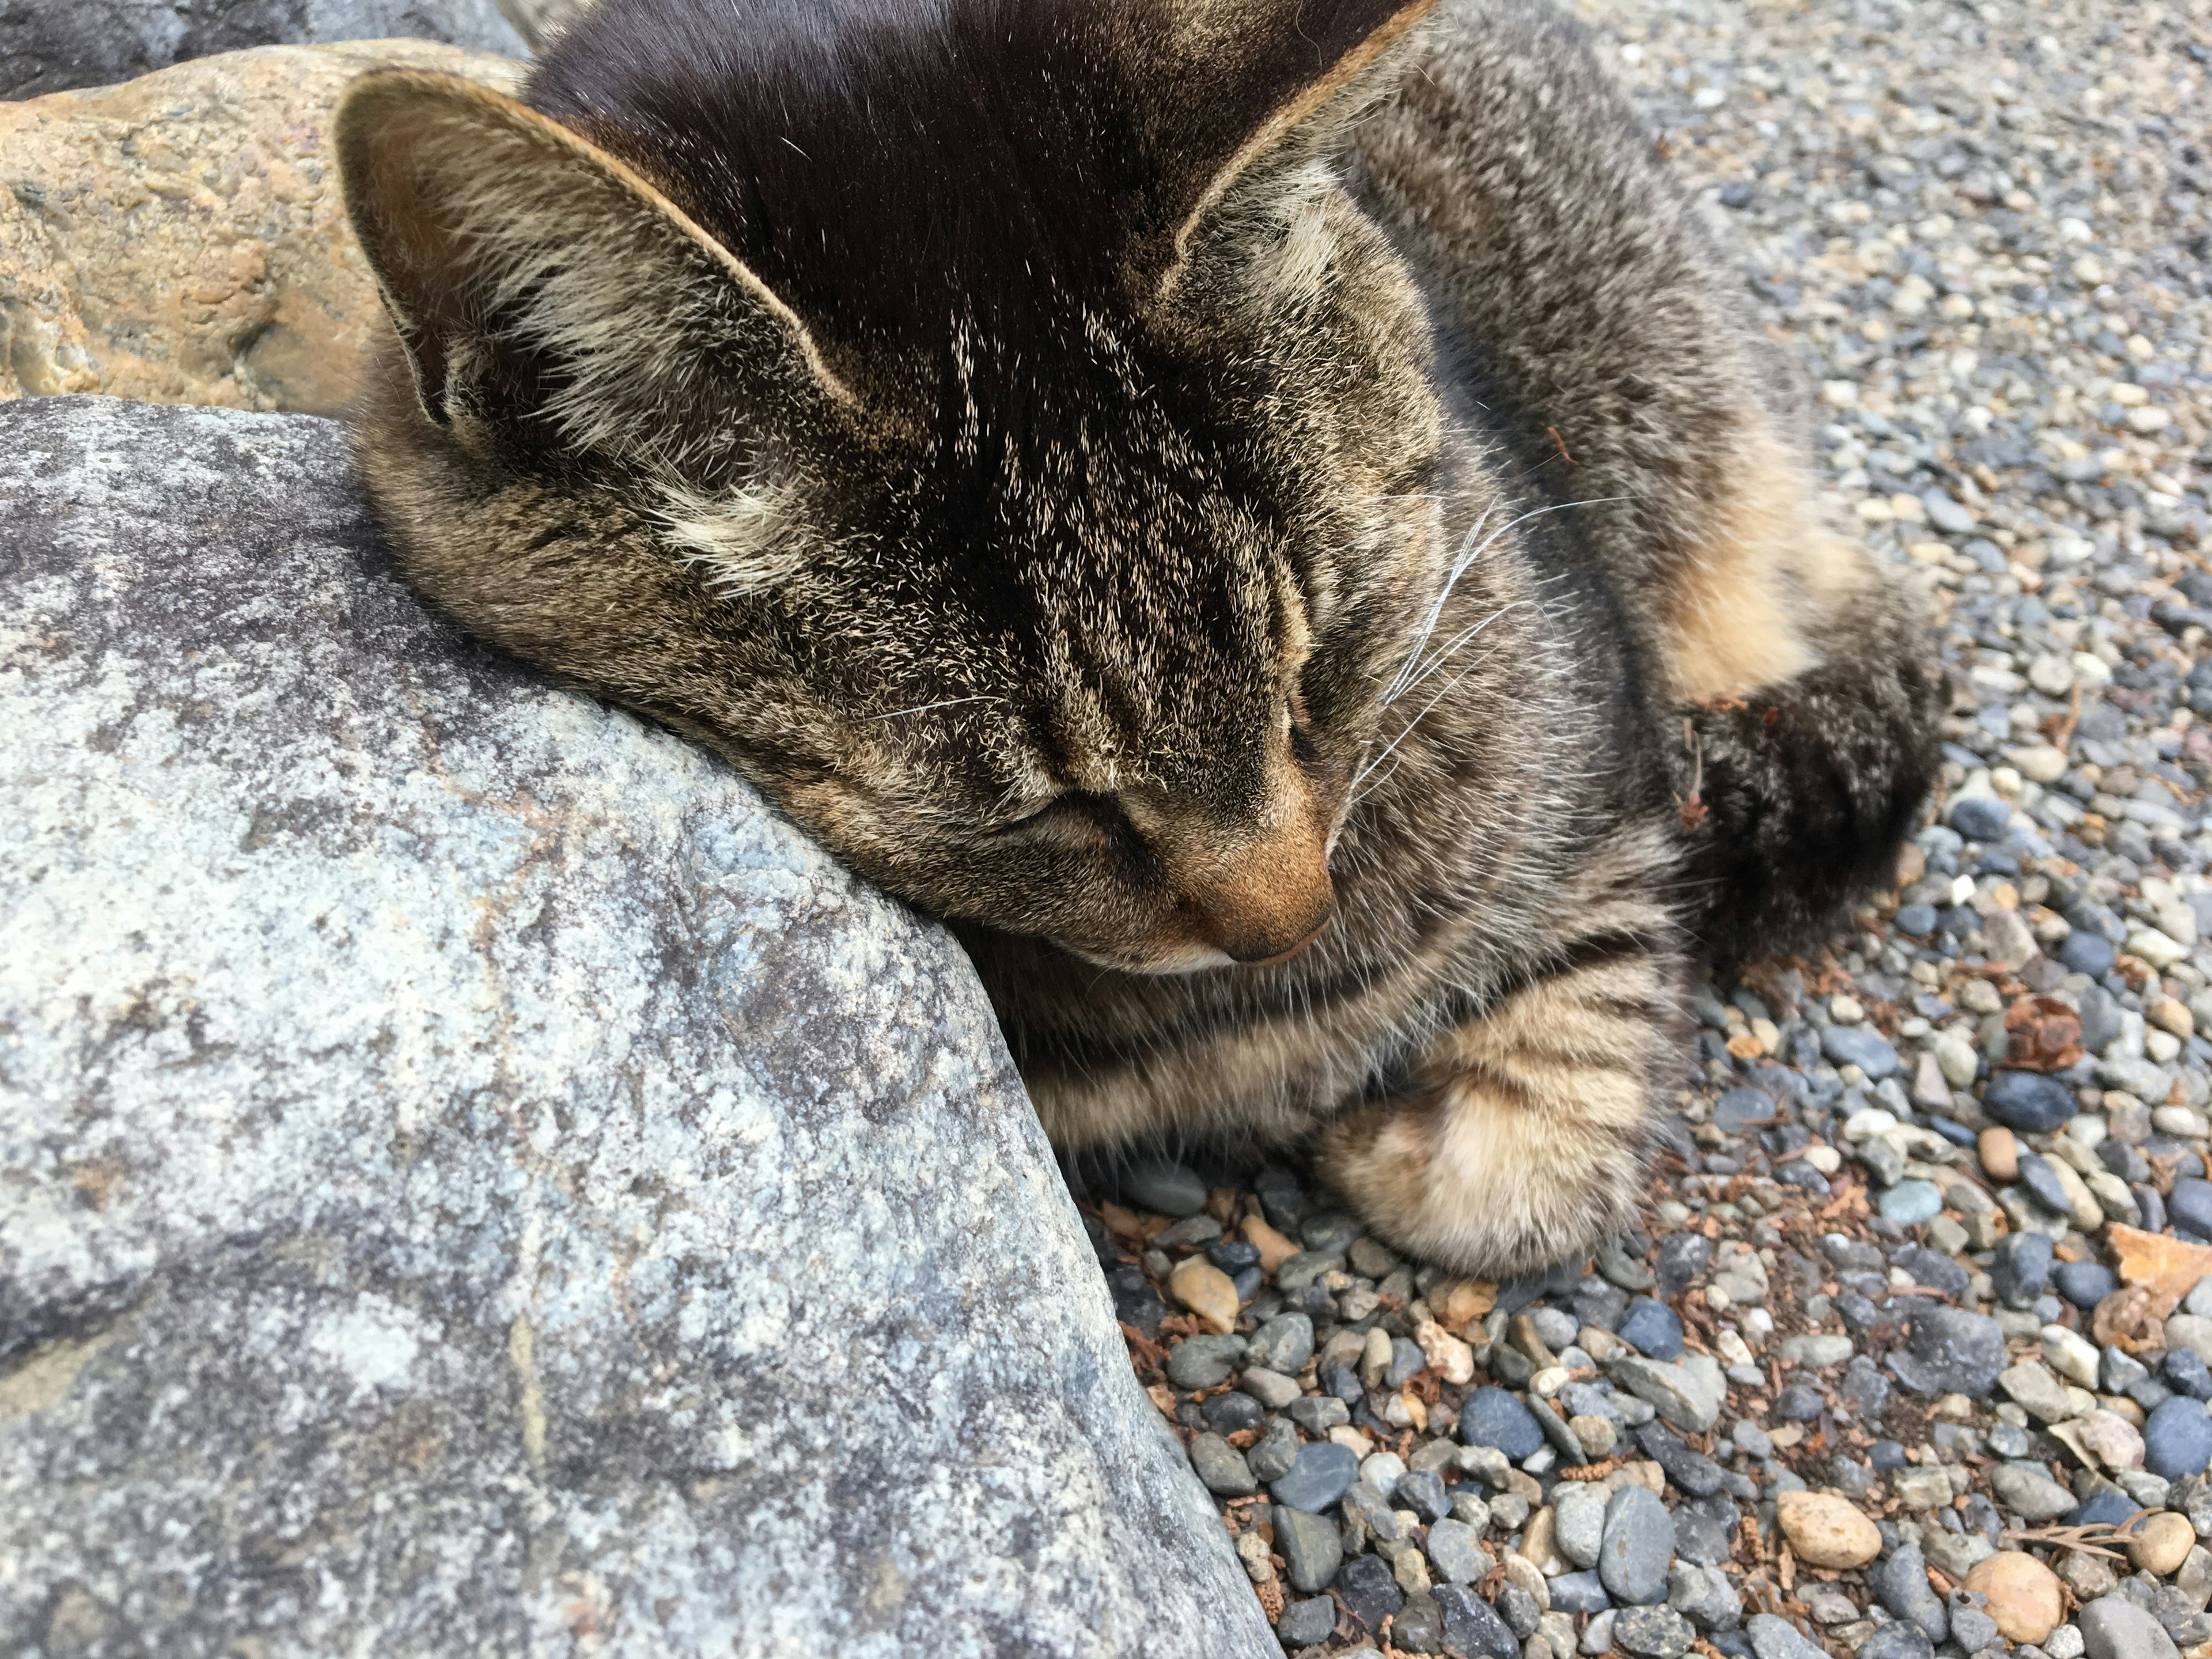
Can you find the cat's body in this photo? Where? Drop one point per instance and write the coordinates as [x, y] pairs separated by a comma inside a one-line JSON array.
[[1265, 515]]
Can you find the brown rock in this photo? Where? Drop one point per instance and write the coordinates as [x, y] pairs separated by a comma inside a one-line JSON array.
[[2168, 1267], [2025, 1598], [1467, 1301], [1826, 1530], [1207, 1291], [2000, 1154], [2162, 1543], [180, 239], [2042, 1034]]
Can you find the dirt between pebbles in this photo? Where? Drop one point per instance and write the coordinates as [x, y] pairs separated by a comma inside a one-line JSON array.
[[1979, 231]]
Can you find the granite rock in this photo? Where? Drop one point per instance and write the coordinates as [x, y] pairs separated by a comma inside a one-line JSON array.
[[491, 1168]]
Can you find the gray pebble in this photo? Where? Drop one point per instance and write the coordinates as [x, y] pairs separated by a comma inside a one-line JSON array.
[[1637, 1544], [1311, 1548]]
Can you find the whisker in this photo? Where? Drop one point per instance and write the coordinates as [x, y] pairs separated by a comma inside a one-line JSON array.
[[928, 707]]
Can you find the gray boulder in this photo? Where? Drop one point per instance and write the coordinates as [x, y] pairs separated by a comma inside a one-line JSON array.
[[50, 45], [472, 1179]]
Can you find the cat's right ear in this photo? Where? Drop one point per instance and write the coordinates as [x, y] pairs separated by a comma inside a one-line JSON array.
[[538, 281]]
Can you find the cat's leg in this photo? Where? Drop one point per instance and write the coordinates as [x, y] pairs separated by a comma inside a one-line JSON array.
[[1524, 1138], [1804, 790]]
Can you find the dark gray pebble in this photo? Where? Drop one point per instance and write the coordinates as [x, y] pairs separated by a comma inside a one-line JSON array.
[[2029, 1101], [2021, 1271], [1310, 1547], [1321, 1475], [2185, 1372], [1952, 1353], [1579, 1592], [1169, 1188], [1423, 1492], [2085, 1284], [1901, 1582], [1652, 1329], [1304, 1623], [1366, 1584], [1897, 1642], [1472, 1626], [1861, 1045], [1222, 1466], [1693, 1471], [1492, 1417], [2042, 1182], [2190, 1203]]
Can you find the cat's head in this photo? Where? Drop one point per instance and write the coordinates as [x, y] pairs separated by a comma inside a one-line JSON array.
[[989, 422]]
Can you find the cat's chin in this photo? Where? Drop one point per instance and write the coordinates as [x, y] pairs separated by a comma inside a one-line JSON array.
[[1191, 958]]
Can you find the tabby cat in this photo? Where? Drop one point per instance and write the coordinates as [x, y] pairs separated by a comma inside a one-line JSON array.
[[1268, 515]]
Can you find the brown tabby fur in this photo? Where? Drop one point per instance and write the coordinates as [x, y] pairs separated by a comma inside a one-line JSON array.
[[1266, 515]]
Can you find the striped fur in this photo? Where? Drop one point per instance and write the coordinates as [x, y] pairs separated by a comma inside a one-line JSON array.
[[1268, 515]]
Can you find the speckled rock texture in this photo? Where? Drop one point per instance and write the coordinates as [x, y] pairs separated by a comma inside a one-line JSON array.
[[182, 238], [472, 1181], [52, 46]]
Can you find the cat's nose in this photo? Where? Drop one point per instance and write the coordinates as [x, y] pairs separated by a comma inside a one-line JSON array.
[[1269, 901]]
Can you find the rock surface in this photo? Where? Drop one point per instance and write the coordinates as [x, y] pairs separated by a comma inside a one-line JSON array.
[[54, 45], [182, 238], [472, 1179]]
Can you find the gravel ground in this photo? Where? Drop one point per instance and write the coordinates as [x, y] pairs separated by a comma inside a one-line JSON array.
[[1910, 1352]]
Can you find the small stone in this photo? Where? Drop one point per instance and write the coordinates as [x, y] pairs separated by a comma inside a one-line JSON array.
[[1897, 1642], [1578, 1522], [2070, 1355], [1999, 1152], [1271, 1389], [1910, 1203], [1205, 1290], [1222, 1466], [1453, 1359], [1277, 1452], [1579, 1592], [1827, 1531], [1980, 817], [1491, 1416], [1304, 1623], [2029, 1101], [1861, 1045], [1200, 1362], [1310, 1547], [2162, 1543], [1684, 1394], [2029, 1493], [1370, 1590], [1472, 1626], [1324, 1471], [2113, 1627], [1284, 1344], [1638, 1544], [2025, 1598], [1901, 1582], [1597, 1436], [1777, 1638], [1455, 1552], [1951, 1351], [2085, 1284], [1701, 1595], [2178, 1438], [1816, 1352], [1652, 1329], [1167, 1188], [2112, 1440], [2021, 1271], [1651, 1632]]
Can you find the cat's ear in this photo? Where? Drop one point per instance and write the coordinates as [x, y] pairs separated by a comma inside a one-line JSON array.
[[536, 280], [1249, 90]]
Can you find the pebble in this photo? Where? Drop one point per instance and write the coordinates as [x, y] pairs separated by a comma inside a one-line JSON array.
[[2029, 1493], [1680, 1396], [2178, 1438], [1200, 1362], [1999, 1152], [2025, 1599], [1222, 1466], [1951, 1351], [1310, 1547], [1777, 1638], [1652, 1329], [1491, 1416], [1578, 1522], [1860, 1046], [2085, 1284], [1472, 1626], [2162, 1543], [1321, 1475], [1638, 1544], [1901, 1583], [1306, 1622], [1455, 1551], [2029, 1101], [1897, 1642], [1165, 1188], [1910, 1203], [2113, 1627], [1205, 1290], [1827, 1531], [1652, 1633], [2190, 1203], [1284, 1344]]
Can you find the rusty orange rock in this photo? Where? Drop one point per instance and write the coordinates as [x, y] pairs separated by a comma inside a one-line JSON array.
[[180, 239], [2167, 1267]]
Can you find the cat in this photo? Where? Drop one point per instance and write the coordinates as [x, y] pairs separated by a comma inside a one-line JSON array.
[[1271, 517]]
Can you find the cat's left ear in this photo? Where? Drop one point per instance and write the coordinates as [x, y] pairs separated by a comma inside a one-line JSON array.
[[1243, 92]]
